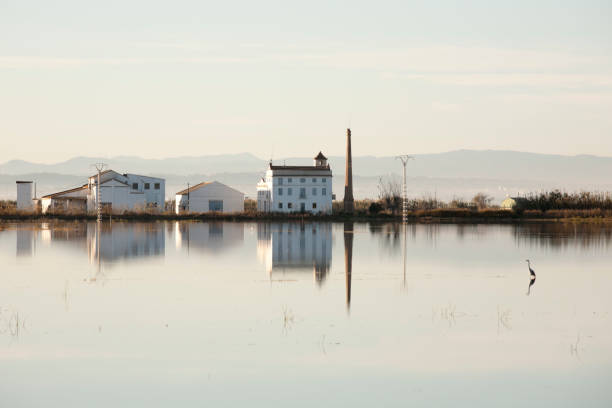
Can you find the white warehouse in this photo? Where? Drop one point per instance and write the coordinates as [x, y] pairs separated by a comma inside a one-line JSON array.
[[209, 196], [296, 188], [118, 192]]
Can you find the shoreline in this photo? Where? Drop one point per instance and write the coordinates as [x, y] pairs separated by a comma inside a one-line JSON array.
[[422, 217]]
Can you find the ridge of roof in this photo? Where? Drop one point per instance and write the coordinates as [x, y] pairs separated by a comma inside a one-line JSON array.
[[193, 188], [274, 167]]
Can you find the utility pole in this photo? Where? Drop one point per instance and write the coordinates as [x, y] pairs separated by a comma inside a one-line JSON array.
[[187, 198], [99, 167], [404, 159]]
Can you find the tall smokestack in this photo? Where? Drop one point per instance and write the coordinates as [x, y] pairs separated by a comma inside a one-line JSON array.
[[349, 203]]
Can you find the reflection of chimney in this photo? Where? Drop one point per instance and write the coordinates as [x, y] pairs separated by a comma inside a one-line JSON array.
[[348, 259], [349, 205]]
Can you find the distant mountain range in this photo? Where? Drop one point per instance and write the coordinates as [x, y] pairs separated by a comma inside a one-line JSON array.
[[459, 173], [456, 164]]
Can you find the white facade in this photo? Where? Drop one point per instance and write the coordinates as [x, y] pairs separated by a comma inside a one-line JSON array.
[[118, 192], [208, 197], [296, 188], [24, 195], [127, 192]]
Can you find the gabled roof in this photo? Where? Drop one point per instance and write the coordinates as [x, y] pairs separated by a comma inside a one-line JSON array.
[[61, 193], [115, 180], [203, 184], [101, 173], [320, 156], [193, 188]]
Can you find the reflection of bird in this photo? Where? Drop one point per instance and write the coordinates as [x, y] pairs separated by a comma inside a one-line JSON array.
[[533, 277], [530, 270]]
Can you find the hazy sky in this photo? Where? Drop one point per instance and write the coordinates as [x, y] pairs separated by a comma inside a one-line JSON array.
[[173, 78]]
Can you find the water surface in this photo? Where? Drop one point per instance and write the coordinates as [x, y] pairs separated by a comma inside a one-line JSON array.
[[290, 314]]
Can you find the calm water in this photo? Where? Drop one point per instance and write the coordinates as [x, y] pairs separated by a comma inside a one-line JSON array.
[[319, 314]]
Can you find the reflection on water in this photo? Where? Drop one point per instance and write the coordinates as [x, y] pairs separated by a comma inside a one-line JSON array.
[[209, 237], [558, 236], [109, 242], [288, 248], [195, 311], [348, 259], [26, 240]]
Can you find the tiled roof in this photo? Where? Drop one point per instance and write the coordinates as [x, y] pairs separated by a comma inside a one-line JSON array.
[[320, 156]]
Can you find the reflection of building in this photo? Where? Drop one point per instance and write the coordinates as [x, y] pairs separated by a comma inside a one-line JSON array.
[[295, 247], [26, 242], [296, 188], [208, 236], [114, 241]]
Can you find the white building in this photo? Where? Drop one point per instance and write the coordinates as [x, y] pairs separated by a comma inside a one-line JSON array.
[[118, 192], [24, 195], [296, 188], [209, 196]]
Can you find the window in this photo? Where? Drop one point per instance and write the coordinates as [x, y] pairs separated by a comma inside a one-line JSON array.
[[215, 205], [280, 181], [314, 191], [280, 191], [324, 180], [302, 180], [302, 192], [289, 191], [147, 186], [314, 205], [134, 186], [289, 180], [280, 205], [289, 205], [323, 191], [314, 180], [157, 186]]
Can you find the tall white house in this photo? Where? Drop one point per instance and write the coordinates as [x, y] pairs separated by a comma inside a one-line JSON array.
[[296, 188]]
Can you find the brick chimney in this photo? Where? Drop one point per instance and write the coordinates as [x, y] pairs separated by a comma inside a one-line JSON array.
[[349, 204]]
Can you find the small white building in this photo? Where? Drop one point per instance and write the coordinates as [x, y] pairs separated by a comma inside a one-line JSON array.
[[209, 196], [118, 192], [296, 188], [24, 195]]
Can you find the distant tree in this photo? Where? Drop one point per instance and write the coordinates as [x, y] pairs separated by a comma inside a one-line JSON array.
[[375, 208], [482, 200], [389, 193]]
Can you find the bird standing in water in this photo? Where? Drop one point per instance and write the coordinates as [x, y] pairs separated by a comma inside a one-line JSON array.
[[533, 276]]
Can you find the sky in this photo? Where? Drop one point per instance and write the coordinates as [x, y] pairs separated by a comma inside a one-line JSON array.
[[280, 78]]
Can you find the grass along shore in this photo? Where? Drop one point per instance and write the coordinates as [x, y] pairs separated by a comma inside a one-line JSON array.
[[448, 215], [546, 206]]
